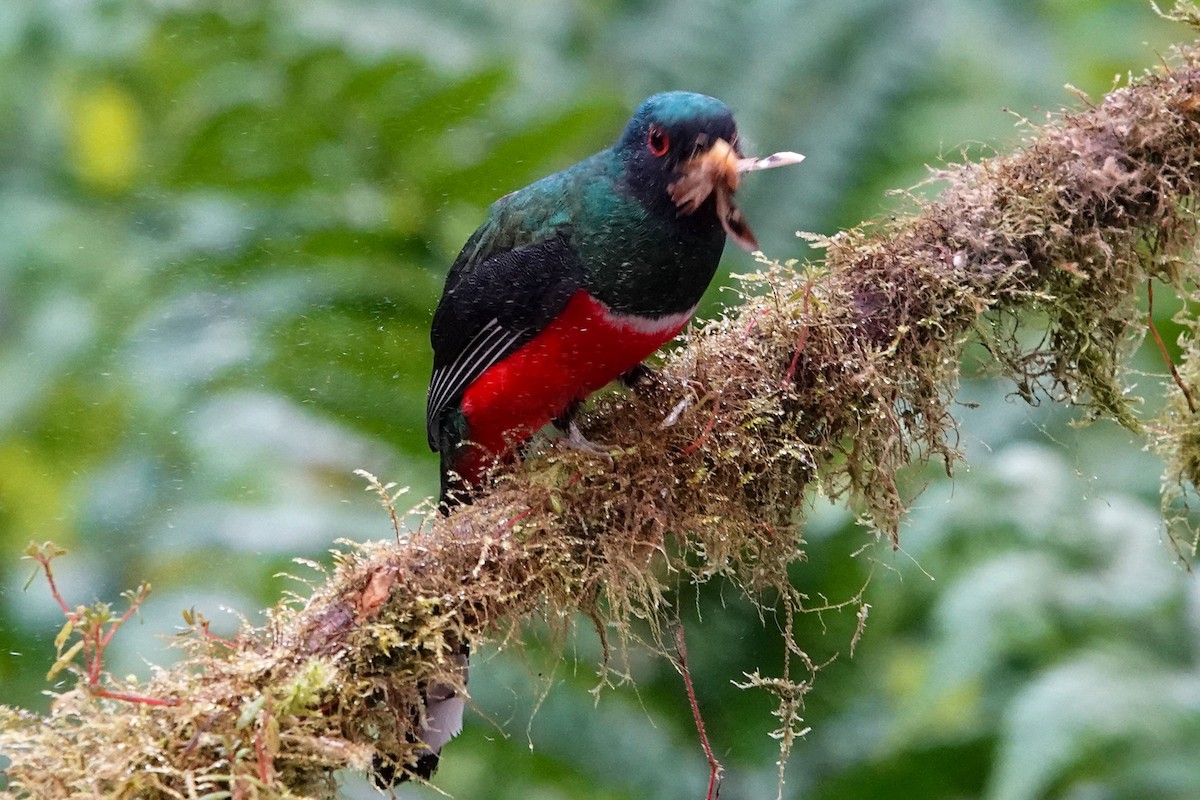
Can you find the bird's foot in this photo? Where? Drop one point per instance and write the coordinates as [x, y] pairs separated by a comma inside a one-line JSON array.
[[636, 375], [577, 441]]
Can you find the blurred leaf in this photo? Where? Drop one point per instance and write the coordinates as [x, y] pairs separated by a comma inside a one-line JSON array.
[[1086, 707], [105, 133]]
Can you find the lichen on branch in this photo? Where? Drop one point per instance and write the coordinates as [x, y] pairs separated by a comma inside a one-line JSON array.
[[834, 374]]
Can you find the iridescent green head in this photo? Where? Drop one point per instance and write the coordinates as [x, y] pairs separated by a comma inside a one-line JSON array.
[[671, 127]]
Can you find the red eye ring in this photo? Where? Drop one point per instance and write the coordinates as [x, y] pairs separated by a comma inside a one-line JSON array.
[[657, 141]]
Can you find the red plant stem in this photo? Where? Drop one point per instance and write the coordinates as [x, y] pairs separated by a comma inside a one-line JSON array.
[[264, 760], [95, 640], [58, 598], [714, 766], [95, 656], [712, 421], [754, 320], [212, 637], [514, 520], [108, 694], [112, 629], [1162, 347], [801, 339]]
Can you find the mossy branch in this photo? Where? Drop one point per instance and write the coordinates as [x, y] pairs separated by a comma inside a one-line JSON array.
[[835, 374]]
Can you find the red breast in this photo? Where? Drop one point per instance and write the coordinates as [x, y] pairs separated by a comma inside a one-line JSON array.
[[586, 347]]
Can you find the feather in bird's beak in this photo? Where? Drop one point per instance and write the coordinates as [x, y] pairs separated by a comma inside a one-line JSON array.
[[718, 170]]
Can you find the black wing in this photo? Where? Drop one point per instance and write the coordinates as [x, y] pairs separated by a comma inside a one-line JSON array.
[[491, 309]]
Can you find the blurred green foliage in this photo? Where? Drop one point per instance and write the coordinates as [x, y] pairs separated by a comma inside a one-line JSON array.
[[223, 228]]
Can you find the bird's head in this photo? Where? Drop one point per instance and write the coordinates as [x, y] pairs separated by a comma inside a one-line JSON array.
[[682, 154]]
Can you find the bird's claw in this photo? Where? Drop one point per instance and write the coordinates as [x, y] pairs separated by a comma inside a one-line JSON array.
[[577, 441]]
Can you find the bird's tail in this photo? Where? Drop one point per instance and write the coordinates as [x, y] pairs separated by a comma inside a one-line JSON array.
[[440, 721]]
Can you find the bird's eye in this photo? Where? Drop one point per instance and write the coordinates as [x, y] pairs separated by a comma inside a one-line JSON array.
[[657, 141]]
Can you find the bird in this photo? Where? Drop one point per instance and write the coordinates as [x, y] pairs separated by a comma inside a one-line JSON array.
[[573, 281], [569, 284]]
